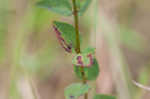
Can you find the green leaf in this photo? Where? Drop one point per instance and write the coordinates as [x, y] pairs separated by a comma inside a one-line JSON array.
[[83, 5], [62, 7], [102, 96], [91, 72], [75, 90], [89, 50], [66, 35]]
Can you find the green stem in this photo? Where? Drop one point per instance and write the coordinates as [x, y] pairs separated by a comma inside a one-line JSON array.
[[78, 50], [75, 13]]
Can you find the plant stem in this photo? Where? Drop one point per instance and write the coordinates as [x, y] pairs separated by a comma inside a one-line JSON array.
[[76, 21], [78, 50]]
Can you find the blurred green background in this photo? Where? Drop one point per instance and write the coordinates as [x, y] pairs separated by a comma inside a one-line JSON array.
[[34, 66]]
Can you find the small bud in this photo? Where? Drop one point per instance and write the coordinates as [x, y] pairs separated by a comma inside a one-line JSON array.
[[85, 60]]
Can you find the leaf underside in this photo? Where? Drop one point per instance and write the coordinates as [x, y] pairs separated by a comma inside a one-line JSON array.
[[64, 7]]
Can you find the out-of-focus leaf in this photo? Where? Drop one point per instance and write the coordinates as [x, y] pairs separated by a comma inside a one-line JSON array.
[[101, 96], [144, 75], [131, 39], [75, 90], [66, 35], [30, 63], [91, 72], [41, 18], [62, 7], [35, 62]]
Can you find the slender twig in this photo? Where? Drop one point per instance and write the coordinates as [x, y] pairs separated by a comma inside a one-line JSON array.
[[141, 86], [32, 85], [78, 50]]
